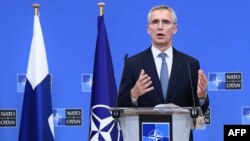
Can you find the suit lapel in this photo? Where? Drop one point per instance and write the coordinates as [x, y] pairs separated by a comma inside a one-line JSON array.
[[150, 69], [177, 67]]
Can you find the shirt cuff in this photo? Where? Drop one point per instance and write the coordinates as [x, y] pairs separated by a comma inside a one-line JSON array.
[[203, 100], [134, 101]]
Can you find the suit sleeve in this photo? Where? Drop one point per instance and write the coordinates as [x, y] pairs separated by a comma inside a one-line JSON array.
[[195, 82], [127, 83]]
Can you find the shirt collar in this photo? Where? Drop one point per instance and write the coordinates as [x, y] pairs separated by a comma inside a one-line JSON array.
[[156, 51]]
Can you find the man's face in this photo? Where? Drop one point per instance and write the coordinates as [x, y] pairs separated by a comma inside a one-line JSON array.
[[161, 27]]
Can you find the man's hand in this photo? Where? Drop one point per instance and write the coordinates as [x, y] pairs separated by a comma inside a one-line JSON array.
[[142, 85], [202, 84]]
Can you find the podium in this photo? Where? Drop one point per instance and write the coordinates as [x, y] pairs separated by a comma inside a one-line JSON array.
[[163, 122]]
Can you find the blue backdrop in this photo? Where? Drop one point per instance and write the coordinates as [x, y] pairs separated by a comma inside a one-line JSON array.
[[215, 32]]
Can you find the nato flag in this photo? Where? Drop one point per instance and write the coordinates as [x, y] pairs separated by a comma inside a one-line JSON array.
[[104, 92], [37, 118]]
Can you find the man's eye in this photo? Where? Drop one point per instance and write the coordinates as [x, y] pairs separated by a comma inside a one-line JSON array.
[[154, 22], [166, 22]]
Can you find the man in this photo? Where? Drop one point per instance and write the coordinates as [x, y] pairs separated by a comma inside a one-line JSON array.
[[141, 84]]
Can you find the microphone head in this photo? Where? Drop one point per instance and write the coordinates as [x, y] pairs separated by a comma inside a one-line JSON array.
[[115, 114], [126, 57], [194, 113]]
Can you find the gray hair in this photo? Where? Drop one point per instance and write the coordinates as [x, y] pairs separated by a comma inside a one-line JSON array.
[[163, 7]]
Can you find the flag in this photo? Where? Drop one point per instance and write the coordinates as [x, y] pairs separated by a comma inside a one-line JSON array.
[[37, 118], [103, 127]]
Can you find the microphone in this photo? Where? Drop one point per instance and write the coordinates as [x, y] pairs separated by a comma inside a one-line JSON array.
[[125, 58], [116, 112], [194, 111]]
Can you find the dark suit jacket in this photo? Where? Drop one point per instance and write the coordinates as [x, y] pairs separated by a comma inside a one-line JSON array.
[[179, 89]]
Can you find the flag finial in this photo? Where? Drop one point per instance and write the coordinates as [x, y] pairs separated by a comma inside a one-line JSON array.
[[36, 7], [101, 7]]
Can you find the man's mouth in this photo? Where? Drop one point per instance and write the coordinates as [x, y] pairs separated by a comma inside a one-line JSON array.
[[159, 35]]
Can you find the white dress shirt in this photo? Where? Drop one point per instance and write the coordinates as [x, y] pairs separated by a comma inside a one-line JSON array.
[[158, 60]]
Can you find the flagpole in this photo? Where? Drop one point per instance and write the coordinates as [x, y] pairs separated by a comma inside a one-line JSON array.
[[101, 7], [36, 7]]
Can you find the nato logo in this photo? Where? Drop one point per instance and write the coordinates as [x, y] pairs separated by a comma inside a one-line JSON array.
[[245, 115], [21, 80], [103, 125], [224, 81], [59, 117], [155, 131], [87, 80]]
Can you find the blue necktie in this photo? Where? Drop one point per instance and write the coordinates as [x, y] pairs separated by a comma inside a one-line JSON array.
[[164, 75]]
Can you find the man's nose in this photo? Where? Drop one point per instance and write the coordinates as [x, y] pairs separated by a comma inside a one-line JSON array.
[[160, 25]]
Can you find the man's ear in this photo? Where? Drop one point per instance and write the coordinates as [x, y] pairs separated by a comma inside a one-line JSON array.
[[148, 30], [175, 29]]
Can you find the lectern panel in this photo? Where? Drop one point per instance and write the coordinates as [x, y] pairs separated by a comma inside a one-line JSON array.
[[155, 127]]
